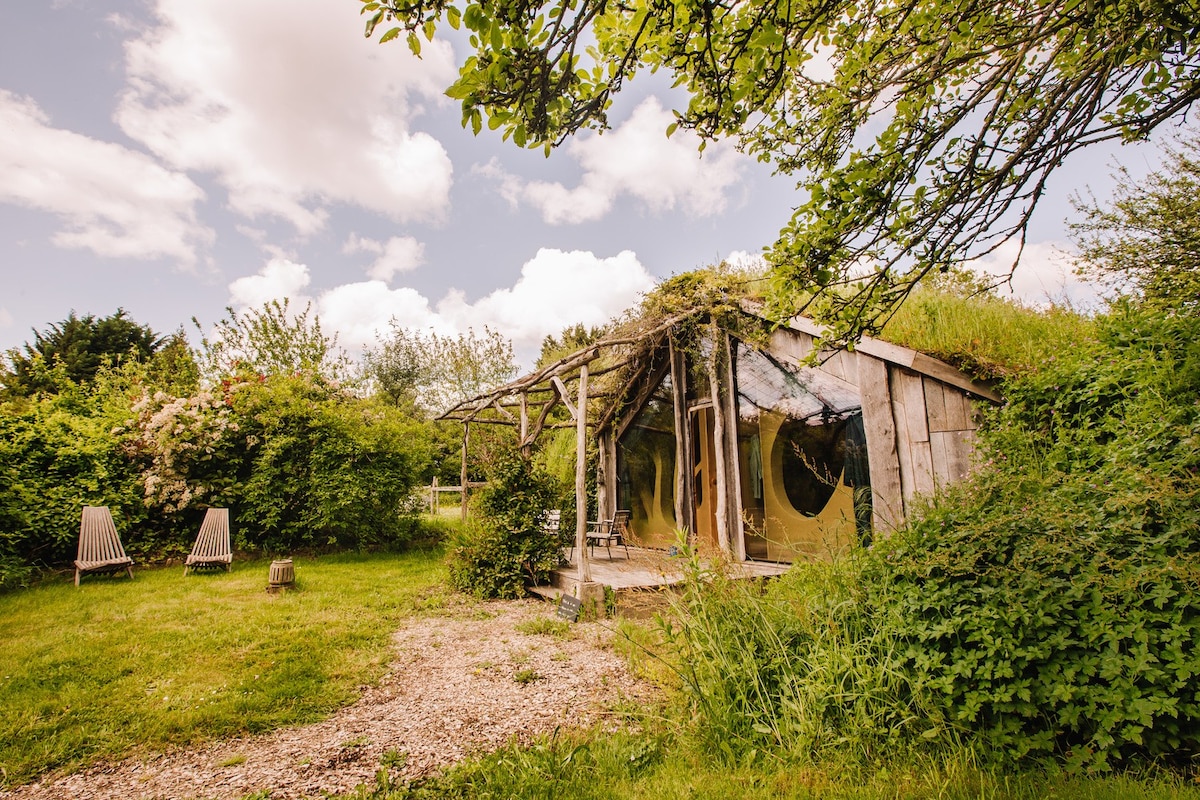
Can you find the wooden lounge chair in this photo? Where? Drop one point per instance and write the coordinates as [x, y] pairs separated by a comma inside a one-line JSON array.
[[100, 549], [610, 532], [212, 549]]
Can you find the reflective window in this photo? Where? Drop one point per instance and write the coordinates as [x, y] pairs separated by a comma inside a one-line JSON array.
[[802, 453], [646, 470]]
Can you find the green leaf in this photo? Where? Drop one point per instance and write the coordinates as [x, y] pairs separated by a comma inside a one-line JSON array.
[[372, 22]]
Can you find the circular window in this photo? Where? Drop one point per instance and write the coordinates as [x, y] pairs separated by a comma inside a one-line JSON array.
[[813, 457]]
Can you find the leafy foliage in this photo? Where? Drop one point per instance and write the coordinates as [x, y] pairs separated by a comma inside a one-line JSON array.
[[1054, 605], [82, 345], [271, 340], [921, 133], [506, 548], [1147, 239], [324, 469], [570, 339], [300, 464], [429, 373], [57, 454]]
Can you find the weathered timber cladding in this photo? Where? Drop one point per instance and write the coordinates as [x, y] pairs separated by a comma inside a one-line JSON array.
[[920, 429], [887, 495], [912, 425]]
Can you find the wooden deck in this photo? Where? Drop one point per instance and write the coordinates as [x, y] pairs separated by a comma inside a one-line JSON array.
[[643, 572]]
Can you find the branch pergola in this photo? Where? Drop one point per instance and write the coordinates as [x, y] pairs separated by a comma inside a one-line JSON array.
[[601, 373]]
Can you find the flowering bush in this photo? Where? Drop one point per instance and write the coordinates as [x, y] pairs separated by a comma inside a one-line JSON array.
[[186, 447], [299, 462]]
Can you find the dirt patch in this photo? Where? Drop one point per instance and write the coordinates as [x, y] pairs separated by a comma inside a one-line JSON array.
[[458, 685]]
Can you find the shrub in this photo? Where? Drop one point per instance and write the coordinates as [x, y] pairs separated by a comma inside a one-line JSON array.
[[505, 547], [57, 454], [1054, 604], [323, 469]]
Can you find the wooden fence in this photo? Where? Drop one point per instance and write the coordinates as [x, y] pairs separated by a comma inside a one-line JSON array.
[[433, 500]]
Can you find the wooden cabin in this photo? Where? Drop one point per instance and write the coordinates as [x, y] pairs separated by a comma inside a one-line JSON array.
[[732, 430]]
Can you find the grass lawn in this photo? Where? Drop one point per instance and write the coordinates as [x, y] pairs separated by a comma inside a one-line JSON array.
[[606, 765], [117, 665]]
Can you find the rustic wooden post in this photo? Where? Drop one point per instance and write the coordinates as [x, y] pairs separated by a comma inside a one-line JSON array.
[[463, 472], [883, 460], [526, 446], [585, 572], [684, 501], [718, 410], [738, 523], [606, 489]]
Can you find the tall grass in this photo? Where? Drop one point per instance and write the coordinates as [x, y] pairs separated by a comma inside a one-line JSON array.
[[987, 336], [603, 765], [116, 665], [795, 670]]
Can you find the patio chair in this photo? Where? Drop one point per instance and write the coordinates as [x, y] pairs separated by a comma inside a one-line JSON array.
[[609, 532], [212, 549], [551, 520], [100, 550]]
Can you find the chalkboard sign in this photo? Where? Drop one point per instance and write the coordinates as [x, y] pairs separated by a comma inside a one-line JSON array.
[[568, 608]]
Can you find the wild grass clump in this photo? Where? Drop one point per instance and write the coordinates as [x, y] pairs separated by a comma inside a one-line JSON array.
[[796, 670], [627, 765], [546, 626], [986, 336]]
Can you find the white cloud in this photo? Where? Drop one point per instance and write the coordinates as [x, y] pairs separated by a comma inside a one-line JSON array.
[[289, 107], [278, 280], [556, 289], [113, 201], [747, 261], [6, 318], [360, 312], [635, 159], [1044, 277], [398, 254]]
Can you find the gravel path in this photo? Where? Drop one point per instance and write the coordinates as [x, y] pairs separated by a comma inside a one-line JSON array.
[[450, 691]]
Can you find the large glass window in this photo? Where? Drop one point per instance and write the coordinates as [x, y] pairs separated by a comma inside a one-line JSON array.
[[646, 470], [802, 453]]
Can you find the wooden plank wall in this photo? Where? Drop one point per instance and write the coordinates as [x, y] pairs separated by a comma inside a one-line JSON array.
[[883, 460], [935, 432]]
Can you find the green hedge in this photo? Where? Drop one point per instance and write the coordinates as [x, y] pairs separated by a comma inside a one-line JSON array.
[[301, 465], [1054, 605]]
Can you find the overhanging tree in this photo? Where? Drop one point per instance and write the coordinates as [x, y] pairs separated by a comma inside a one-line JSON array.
[[922, 132], [1148, 238]]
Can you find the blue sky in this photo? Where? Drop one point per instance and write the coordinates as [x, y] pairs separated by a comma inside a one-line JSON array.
[[174, 157]]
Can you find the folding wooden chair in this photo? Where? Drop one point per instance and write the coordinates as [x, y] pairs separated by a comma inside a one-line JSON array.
[[212, 549], [100, 550]]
